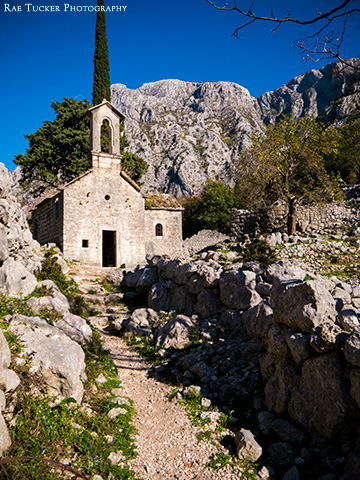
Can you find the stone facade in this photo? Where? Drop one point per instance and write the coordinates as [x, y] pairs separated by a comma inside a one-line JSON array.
[[309, 219], [99, 218]]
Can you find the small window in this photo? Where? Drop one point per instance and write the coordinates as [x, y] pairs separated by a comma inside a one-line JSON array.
[[107, 197], [158, 230], [85, 243], [56, 210]]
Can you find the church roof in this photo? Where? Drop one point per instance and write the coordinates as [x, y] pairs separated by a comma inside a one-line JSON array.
[[110, 105], [161, 201]]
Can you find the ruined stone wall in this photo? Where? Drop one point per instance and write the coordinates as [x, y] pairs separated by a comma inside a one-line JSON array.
[[102, 200], [47, 221], [163, 232], [310, 218]]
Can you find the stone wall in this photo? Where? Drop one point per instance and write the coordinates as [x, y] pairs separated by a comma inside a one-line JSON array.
[[47, 221], [99, 201], [202, 240], [310, 218], [163, 232], [299, 338]]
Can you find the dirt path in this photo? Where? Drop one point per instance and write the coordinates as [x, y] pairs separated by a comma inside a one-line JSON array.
[[166, 441]]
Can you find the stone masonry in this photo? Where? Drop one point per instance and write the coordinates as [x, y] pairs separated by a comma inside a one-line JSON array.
[[309, 219], [99, 218]]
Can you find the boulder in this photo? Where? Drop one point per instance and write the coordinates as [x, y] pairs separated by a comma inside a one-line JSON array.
[[15, 279], [146, 280], [299, 345], [352, 348], [237, 289], [287, 432], [54, 302], [168, 295], [57, 361], [280, 386], [9, 380], [159, 297], [74, 327], [140, 321], [207, 304], [206, 276], [175, 333], [327, 337], [115, 277], [302, 305], [281, 454], [4, 249], [258, 320], [5, 440], [349, 320], [322, 401], [4, 181], [283, 271], [354, 378], [275, 342], [247, 448]]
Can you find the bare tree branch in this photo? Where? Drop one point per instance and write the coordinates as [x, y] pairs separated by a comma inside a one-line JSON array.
[[326, 46]]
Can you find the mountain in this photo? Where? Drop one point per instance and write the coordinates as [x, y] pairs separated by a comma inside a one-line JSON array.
[[189, 132]]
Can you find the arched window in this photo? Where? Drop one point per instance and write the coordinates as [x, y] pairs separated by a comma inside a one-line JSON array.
[[105, 134], [158, 230]]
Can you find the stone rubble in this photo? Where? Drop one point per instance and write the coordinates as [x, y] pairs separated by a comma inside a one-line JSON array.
[[291, 350]]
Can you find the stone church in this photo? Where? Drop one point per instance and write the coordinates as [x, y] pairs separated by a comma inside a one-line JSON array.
[[101, 217]]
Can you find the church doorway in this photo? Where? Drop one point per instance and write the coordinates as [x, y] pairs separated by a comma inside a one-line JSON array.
[[108, 248]]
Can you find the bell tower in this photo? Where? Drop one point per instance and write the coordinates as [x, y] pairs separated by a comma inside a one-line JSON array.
[[105, 114]]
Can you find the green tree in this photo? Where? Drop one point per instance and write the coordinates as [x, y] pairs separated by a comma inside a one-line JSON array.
[[59, 150], [347, 162], [101, 85], [211, 210], [288, 163]]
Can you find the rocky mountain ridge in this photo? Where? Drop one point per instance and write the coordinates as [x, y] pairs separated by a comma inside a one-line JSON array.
[[189, 132]]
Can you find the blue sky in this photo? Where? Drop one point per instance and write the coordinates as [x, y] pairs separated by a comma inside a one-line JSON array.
[[46, 56]]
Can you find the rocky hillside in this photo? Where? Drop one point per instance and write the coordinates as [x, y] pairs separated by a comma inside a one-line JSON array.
[[189, 132]]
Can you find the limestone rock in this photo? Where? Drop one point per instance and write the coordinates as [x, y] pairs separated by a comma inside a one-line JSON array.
[[322, 401], [181, 127], [9, 380], [258, 320], [302, 305], [208, 304], [281, 454], [58, 361], [354, 378], [280, 386], [140, 321], [146, 280], [237, 289], [247, 447], [74, 327], [349, 320], [175, 333], [283, 271], [327, 337], [287, 432], [299, 345], [352, 348], [115, 277], [16, 279], [5, 440], [54, 302]]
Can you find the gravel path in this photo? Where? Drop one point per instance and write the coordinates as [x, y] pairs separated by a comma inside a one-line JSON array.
[[166, 441]]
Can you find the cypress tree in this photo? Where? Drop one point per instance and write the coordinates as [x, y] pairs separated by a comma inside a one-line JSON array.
[[101, 85]]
